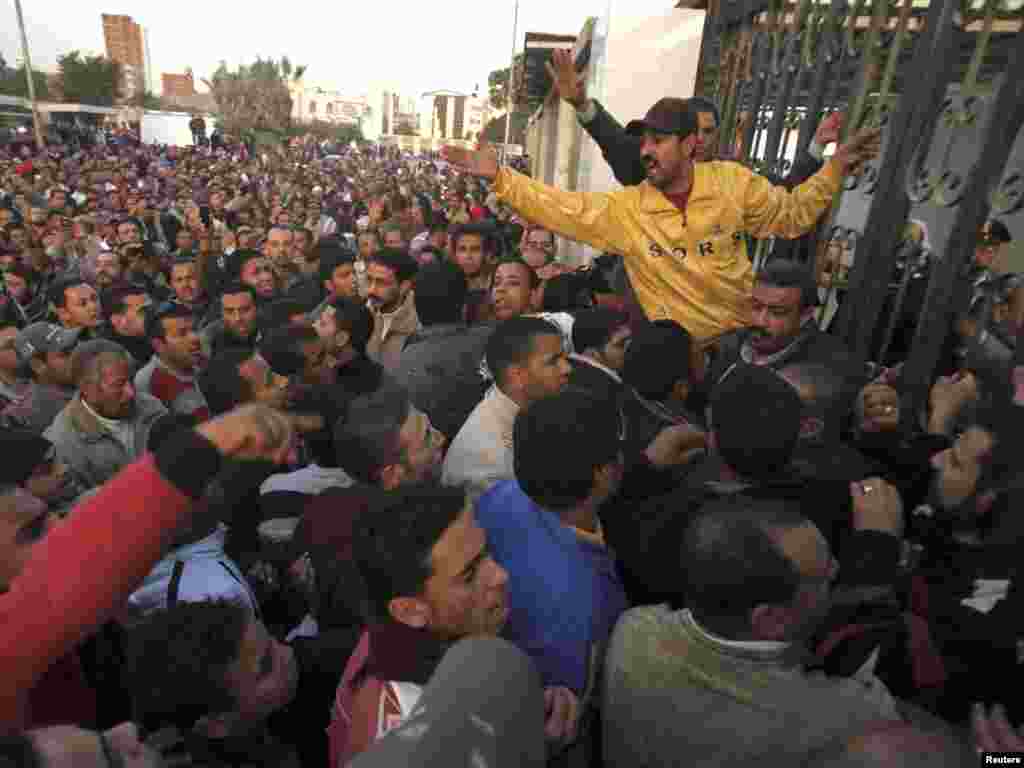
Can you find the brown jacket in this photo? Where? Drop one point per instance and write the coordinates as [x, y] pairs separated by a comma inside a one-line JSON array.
[[390, 332]]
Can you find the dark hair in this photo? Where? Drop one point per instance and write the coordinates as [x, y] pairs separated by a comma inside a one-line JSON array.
[[17, 750], [355, 318], [568, 292], [518, 261], [367, 437], [398, 261], [594, 328], [58, 296], [512, 342], [657, 358], [279, 313], [235, 288], [282, 348], [393, 544], [236, 263], [440, 293], [733, 564], [488, 236], [155, 328], [558, 444], [700, 104], [332, 257], [221, 383], [167, 426], [756, 417], [785, 273], [178, 661]]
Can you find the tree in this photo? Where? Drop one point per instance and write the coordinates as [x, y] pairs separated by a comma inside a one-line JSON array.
[[497, 83], [89, 79], [254, 97], [13, 83], [494, 132]]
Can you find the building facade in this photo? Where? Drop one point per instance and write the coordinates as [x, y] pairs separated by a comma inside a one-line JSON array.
[[126, 44], [178, 86], [452, 115]]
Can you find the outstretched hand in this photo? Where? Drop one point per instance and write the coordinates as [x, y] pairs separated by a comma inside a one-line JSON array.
[[569, 84], [258, 432], [829, 129], [480, 162], [862, 148]]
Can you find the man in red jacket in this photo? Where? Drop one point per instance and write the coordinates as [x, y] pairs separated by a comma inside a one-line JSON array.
[[80, 573]]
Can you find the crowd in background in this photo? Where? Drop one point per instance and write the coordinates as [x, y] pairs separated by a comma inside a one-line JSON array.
[[289, 435]]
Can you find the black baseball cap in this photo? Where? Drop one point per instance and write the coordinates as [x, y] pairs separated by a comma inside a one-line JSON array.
[[668, 115]]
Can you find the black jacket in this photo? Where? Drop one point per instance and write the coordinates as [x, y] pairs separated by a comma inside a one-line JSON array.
[[645, 522], [813, 347]]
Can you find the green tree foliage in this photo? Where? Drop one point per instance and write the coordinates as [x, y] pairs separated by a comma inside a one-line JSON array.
[[494, 131], [13, 83], [497, 83], [254, 97], [89, 79]]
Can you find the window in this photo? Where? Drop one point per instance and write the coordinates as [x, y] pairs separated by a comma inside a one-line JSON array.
[[312, 107], [330, 109]]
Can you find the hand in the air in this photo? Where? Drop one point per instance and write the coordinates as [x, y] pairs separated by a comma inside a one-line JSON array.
[[569, 84]]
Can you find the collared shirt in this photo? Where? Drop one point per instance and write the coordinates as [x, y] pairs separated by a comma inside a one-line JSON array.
[[759, 646], [481, 453], [747, 351], [122, 430]]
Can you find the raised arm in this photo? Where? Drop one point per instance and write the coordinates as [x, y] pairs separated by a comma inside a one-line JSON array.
[[82, 572], [776, 211], [591, 218], [621, 151]]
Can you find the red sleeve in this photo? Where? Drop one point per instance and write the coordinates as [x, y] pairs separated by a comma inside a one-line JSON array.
[[81, 573]]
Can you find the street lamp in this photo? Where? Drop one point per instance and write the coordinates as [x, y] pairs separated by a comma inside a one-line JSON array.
[[508, 84], [28, 76]]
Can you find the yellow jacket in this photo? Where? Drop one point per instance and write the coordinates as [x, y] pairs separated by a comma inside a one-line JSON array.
[[693, 269]]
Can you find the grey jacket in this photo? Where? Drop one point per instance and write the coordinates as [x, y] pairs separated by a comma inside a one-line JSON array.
[[92, 453], [440, 368], [675, 695]]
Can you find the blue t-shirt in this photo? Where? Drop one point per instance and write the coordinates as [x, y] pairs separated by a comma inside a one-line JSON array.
[[564, 592]]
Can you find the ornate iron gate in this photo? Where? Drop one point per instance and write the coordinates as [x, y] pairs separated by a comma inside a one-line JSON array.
[[944, 79]]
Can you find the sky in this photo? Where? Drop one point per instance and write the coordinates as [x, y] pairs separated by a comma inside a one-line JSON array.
[[353, 47]]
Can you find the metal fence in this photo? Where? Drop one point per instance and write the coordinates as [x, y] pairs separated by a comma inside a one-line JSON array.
[[945, 82]]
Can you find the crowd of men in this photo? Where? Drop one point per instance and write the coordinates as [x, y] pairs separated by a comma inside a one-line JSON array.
[[331, 461]]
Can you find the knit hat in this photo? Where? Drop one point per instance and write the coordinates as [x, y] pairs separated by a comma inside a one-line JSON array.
[[23, 450], [755, 417]]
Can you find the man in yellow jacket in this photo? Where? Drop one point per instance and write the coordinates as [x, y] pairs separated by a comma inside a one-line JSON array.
[[681, 231]]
